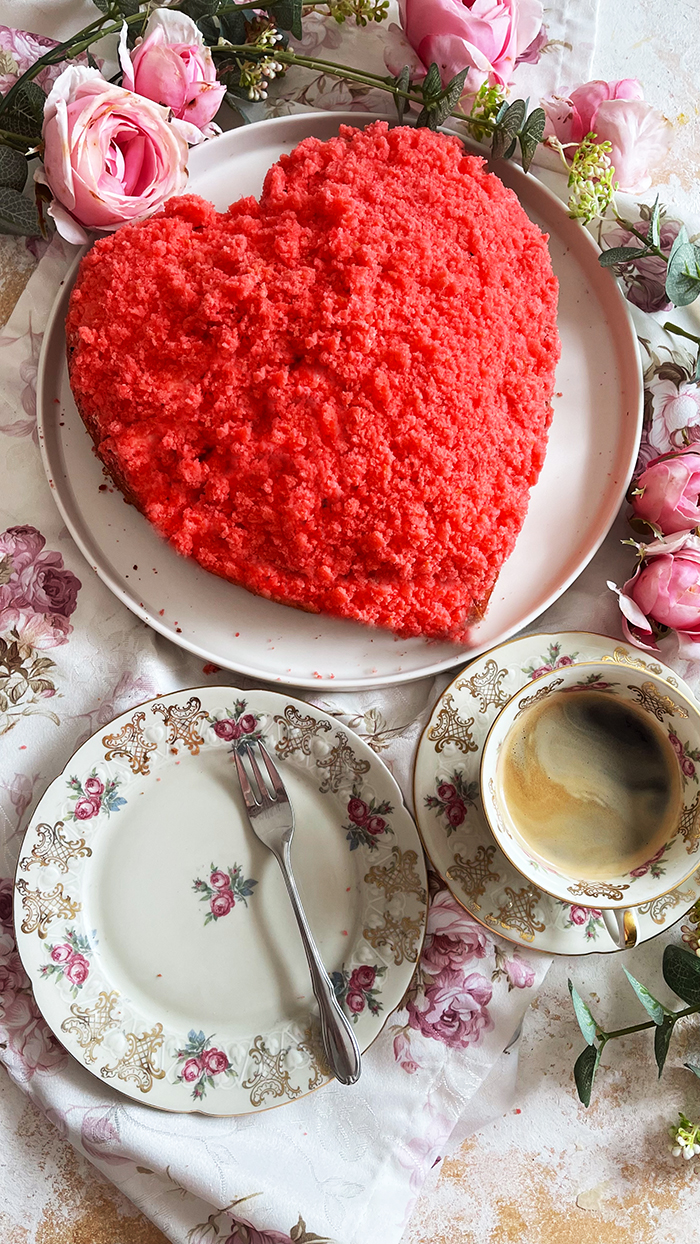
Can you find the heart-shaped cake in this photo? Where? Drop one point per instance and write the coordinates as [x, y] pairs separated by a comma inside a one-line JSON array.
[[339, 396]]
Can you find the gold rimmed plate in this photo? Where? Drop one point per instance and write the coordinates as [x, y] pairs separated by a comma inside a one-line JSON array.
[[156, 930]]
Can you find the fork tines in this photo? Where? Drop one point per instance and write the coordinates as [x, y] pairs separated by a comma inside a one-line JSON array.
[[260, 797]]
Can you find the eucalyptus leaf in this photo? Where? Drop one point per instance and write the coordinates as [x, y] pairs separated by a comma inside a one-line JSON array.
[[585, 1068], [683, 273], [449, 99], [17, 214], [692, 1067], [586, 1022], [662, 1038], [127, 8], [682, 974], [234, 102], [26, 112], [426, 118], [651, 1006], [697, 369], [287, 15], [531, 136], [402, 83], [655, 224], [232, 26], [13, 169], [199, 8], [506, 132], [102, 5], [432, 84], [621, 254]]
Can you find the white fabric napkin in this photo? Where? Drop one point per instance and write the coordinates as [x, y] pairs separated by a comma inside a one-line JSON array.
[[342, 1164]]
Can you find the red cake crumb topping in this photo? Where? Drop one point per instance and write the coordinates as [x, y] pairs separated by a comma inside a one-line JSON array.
[[339, 396]]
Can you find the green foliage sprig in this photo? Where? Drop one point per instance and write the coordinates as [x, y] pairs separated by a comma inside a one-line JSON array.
[[681, 971]]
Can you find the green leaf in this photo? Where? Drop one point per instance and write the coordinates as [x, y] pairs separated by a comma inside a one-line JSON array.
[[682, 974], [691, 1067], [586, 1022], [655, 224], [531, 136], [26, 112], [17, 214], [102, 5], [450, 97], [683, 274], [432, 84], [287, 15], [233, 27], [13, 168], [662, 1038], [402, 83], [651, 1006], [199, 8], [621, 254], [505, 134], [585, 1068]]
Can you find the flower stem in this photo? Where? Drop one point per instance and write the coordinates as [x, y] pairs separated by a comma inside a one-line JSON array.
[[655, 250], [16, 141], [680, 332], [624, 1032]]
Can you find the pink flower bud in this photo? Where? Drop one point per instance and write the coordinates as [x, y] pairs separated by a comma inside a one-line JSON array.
[[665, 592], [172, 66], [671, 490]]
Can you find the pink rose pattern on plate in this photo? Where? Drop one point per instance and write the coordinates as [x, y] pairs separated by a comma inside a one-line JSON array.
[[69, 960], [359, 989], [201, 1062], [452, 798], [553, 659], [590, 918], [27, 1043], [222, 889], [367, 820], [688, 758], [92, 796], [238, 727]]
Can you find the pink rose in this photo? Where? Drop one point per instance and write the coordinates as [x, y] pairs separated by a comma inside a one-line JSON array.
[[215, 1061], [443, 951], [6, 893], [172, 66], [220, 880], [614, 112], [22, 50], [446, 915], [358, 810], [227, 729], [97, 1131], [676, 744], [77, 970], [35, 630], [12, 976], [247, 723], [456, 812], [355, 1002], [664, 591], [402, 1054], [362, 978], [670, 493], [487, 37], [47, 587], [20, 544], [93, 786], [453, 1009], [222, 903], [688, 767], [62, 953], [85, 808], [109, 156], [192, 1070], [254, 1235], [32, 1046], [542, 669], [563, 661], [578, 915], [375, 825], [520, 975], [446, 791]]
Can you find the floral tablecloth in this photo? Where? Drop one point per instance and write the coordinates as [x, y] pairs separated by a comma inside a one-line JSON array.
[[343, 1165]]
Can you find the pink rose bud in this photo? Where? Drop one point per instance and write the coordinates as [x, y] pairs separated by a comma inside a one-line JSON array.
[[614, 112], [93, 786], [172, 66], [670, 491], [664, 592], [109, 156], [192, 1070]]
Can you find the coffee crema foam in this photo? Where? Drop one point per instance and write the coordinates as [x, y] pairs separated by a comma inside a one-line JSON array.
[[590, 783]]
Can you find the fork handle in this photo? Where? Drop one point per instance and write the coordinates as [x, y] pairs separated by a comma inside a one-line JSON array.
[[338, 1038]]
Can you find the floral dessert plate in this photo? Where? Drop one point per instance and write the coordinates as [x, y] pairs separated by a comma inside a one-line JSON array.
[[155, 927], [450, 816], [591, 452]]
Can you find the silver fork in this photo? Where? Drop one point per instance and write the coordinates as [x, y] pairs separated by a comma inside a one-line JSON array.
[[271, 818]]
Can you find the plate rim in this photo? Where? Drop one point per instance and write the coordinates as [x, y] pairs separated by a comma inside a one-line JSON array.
[[446, 881], [421, 864], [102, 567]]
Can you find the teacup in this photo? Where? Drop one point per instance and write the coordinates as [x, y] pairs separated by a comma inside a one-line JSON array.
[[590, 782]]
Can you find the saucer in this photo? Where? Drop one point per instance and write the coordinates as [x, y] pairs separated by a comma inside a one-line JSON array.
[[450, 817], [156, 929]]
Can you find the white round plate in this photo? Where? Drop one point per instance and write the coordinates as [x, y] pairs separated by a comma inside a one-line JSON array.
[[156, 929], [450, 817], [592, 449]]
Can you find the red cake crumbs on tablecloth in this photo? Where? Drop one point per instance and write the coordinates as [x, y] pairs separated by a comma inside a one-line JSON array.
[[337, 397]]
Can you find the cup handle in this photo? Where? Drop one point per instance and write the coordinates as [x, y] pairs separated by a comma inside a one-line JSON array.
[[621, 923]]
